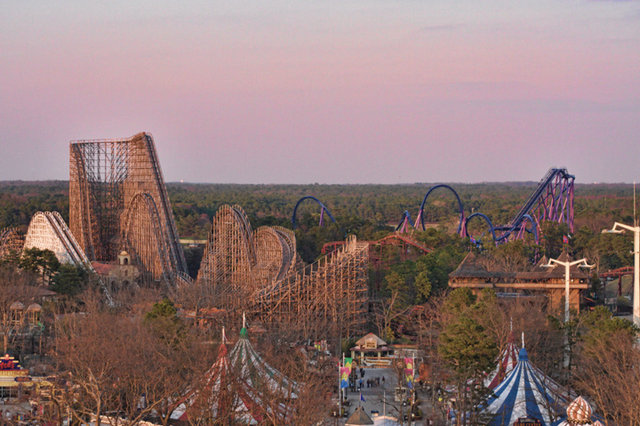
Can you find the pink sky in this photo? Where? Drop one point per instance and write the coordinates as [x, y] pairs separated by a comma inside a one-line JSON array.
[[374, 91]]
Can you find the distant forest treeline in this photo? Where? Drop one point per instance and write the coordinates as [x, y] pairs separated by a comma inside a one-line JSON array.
[[360, 209], [368, 211]]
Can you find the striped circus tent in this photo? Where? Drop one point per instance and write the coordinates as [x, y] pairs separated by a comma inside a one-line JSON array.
[[507, 361], [256, 373], [213, 397], [525, 393], [228, 394]]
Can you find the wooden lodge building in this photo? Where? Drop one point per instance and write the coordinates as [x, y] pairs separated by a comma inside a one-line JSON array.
[[479, 271]]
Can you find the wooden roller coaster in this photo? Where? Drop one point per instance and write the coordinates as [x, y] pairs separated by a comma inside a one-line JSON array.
[[48, 230], [118, 201], [10, 242], [259, 272]]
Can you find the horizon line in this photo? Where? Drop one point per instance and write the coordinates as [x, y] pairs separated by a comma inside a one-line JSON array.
[[180, 182]]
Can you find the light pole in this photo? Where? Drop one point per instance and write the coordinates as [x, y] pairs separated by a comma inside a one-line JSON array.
[[567, 268], [619, 228]]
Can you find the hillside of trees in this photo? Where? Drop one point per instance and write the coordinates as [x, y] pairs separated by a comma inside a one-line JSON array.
[[368, 211], [371, 212], [363, 209]]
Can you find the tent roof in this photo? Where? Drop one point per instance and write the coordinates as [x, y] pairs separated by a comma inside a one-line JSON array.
[[216, 382], [506, 362], [525, 392], [359, 417], [243, 373], [256, 373]]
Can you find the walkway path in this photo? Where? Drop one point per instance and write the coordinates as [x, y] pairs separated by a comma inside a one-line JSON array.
[[379, 400]]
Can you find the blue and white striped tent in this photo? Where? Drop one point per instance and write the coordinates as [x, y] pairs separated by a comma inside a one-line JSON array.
[[525, 393]]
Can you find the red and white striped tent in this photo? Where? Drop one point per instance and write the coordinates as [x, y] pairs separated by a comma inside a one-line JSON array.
[[257, 374], [506, 362], [239, 388]]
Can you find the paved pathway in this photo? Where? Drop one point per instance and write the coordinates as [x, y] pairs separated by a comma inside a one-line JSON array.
[[380, 398]]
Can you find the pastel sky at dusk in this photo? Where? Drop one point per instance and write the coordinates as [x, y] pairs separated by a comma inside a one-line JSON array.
[[348, 91]]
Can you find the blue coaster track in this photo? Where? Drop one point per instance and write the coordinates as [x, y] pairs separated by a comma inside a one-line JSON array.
[[323, 209], [552, 200]]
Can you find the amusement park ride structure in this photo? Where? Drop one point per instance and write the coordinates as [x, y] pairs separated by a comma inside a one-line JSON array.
[[323, 209], [618, 274], [420, 218], [551, 200], [237, 261], [118, 201], [49, 230], [260, 273]]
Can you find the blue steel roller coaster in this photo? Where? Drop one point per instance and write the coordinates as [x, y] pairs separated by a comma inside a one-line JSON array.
[[323, 209], [552, 200]]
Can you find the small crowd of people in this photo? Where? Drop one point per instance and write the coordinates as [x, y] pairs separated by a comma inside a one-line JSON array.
[[358, 383], [370, 383]]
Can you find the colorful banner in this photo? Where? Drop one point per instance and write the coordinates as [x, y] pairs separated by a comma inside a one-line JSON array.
[[344, 377], [408, 372], [348, 362]]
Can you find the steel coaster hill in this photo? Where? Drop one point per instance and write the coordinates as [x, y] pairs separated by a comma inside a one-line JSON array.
[[552, 200]]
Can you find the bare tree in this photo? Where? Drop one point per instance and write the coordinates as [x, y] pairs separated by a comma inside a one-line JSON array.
[[389, 310], [116, 365], [607, 373], [312, 402], [510, 318]]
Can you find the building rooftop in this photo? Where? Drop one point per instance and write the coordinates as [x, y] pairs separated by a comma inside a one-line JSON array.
[[486, 266]]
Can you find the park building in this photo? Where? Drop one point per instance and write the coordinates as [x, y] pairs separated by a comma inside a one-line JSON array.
[[118, 275], [13, 378], [370, 350], [21, 326], [480, 271], [20, 316]]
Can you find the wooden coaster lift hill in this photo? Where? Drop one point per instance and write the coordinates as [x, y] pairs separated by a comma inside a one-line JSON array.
[[119, 202]]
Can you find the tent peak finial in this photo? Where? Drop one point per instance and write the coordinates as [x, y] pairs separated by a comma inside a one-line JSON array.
[[243, 330], [523, 355], [224, 337], [523, 340]]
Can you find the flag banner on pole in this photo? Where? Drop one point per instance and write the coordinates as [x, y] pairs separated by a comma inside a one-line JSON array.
[[408, 372], [348, 362], [362, 397], [344, 377]]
